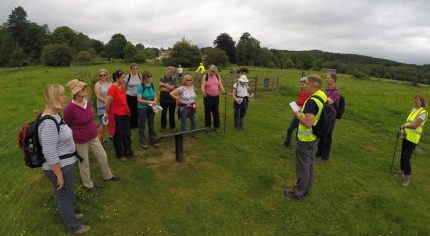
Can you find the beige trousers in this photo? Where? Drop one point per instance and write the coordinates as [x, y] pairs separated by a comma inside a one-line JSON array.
[[96, 148]]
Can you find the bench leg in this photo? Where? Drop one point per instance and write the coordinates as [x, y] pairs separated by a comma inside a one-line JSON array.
[[179, 148]]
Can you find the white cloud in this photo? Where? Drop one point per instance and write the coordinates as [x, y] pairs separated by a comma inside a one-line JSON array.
[[392, 29]]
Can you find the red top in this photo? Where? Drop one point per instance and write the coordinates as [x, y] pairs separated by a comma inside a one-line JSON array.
[[117, 107], [119, 102], [302, 98]]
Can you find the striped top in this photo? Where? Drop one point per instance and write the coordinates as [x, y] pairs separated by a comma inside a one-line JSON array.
[[54, 144]]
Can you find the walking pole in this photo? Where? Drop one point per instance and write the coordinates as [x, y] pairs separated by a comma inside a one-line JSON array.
[[225, 109], [394, 155]]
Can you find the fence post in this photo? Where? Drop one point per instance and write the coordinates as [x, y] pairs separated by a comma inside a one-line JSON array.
[[255, 85]]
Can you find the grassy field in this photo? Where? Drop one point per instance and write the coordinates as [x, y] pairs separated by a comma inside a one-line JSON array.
[[232, 183]]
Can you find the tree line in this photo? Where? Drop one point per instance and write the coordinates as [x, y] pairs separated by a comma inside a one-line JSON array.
[[24, 43]]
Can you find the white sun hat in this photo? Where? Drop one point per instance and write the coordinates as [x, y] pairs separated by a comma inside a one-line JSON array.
[[243, 79]]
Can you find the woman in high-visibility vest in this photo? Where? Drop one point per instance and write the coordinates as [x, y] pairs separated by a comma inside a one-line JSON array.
[[412, 130]]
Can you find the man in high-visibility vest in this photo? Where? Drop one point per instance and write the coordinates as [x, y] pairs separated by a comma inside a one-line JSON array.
[[412, 130], [307, 141], [201, 69]]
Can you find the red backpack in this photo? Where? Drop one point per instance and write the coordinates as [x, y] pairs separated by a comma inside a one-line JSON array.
[[28, 141]]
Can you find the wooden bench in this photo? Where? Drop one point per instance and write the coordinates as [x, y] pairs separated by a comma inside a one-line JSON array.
[[179, 141]]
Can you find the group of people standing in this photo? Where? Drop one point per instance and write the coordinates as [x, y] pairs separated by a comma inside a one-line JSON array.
[[311, 101], [129, 101]]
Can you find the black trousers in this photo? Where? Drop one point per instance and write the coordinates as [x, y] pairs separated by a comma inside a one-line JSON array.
[[171, 108], [405, 160], [324, 146], [122, 139], [211, 106], [134, 118]]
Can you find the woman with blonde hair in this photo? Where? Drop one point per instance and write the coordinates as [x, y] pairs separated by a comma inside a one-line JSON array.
[[79, 116], [100, 90], [412, 131], [187, 102], [59, 151]]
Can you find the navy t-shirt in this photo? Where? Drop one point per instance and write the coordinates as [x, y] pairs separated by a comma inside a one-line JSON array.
[[311, 107]]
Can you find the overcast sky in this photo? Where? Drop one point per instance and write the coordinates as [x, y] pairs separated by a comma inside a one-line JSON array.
[[393, 29]]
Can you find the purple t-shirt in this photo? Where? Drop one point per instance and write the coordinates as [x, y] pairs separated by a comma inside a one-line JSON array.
[[81, 122], [333, 94]]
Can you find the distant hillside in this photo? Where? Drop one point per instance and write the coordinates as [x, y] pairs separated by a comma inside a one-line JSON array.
[[360, 66]]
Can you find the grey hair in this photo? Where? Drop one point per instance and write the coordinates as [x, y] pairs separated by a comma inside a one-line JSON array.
[[315, 80], [303, 79]]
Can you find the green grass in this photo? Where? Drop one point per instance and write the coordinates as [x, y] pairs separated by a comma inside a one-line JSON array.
[[229, 183]]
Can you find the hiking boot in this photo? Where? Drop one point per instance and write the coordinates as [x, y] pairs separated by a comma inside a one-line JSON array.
[[113, 178], [144, 146], [292, 194], [155, 145], [92, 189], [123, 159], [84, 229], [406, 180], [79, 216]]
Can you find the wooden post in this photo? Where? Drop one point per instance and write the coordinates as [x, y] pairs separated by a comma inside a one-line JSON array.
[[255, 85]]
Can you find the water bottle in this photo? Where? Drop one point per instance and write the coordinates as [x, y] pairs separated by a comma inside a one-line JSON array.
[[30, 145]]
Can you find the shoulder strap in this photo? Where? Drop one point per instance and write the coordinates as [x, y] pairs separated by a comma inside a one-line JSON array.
[[206, 76], [49, 117], [128, 80], [319, 98]]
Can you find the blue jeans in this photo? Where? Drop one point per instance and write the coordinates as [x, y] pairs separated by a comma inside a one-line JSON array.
[[183, 111], [240, 112], [64, 197], [146, 114], [293, 125]]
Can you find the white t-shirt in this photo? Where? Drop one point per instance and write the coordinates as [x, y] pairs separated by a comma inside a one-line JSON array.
[[241, 90], [180, 70], [132, 85]]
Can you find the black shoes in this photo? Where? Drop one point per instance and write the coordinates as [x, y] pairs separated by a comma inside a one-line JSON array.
[[113, 178], [291, 194]]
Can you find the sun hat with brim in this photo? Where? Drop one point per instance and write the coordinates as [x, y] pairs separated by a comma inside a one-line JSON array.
[[213, 68], [243, 79], [75, 86]]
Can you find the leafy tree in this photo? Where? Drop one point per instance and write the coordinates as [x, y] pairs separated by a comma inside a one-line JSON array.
[[17, 23], [139, 57], [289, 63], [7, 46], [129, 52], [97, 45], [81, 42], [84, 56], [34, 39], [18, 58], [318, 64], [265, 58], [115, 47], [184, 53], [248, 50], [140, 47], [151, 53], [226, 43], [216, 56], [63, 34], [57, 55]]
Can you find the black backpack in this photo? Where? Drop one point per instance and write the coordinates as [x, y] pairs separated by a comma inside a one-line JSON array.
[[325, 124], [28, 141], [340, 109]]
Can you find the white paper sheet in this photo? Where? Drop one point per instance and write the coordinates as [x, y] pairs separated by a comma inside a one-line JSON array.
[[294, 106]]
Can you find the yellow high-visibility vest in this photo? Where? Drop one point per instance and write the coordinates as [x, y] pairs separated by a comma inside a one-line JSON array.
[[305, 134], [414, 135]]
